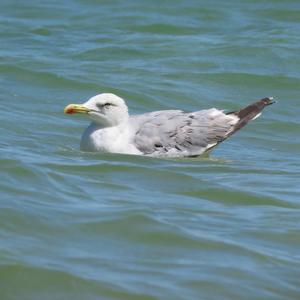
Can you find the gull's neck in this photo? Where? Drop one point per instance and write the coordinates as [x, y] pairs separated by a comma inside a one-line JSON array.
[[108, 138]]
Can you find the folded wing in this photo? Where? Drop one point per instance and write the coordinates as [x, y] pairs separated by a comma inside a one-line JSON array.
[[176, 132]]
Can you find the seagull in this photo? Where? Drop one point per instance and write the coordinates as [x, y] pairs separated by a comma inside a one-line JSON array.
[[165, 133]]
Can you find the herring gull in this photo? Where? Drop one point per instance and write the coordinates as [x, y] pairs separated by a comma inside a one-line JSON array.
[[169, 133]]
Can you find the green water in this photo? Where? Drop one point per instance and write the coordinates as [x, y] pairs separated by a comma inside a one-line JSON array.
[[75, 225]]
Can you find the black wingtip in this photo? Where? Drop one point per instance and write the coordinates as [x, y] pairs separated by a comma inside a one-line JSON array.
[[268, 100], [247, 114], [250, 112]]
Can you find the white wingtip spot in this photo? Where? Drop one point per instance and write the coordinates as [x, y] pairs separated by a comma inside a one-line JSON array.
[[256, 116]]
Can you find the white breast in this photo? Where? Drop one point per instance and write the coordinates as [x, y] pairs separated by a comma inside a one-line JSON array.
[[116, 139]]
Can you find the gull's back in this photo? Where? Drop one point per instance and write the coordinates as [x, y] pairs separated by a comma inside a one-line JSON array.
[[176, 133]]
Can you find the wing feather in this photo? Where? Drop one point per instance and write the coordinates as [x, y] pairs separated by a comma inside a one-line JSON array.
[[175, 132]]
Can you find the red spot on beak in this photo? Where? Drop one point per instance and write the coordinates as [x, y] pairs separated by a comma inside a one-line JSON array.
[[75, 108], [70, 111]]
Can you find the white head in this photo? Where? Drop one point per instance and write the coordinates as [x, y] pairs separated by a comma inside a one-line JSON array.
[[104, 109]]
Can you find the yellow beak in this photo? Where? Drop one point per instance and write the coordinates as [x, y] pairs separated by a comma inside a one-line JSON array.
[[76, 108]]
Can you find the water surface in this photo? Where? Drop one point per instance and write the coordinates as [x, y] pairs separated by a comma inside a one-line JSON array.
[[75, 225]]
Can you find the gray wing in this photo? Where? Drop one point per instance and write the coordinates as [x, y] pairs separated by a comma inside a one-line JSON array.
[[173, 132]]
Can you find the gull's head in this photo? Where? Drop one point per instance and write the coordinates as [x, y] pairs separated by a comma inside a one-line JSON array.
[[104, 109]]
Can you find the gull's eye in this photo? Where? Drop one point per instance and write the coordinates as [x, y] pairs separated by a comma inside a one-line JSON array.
[[107, 105]]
